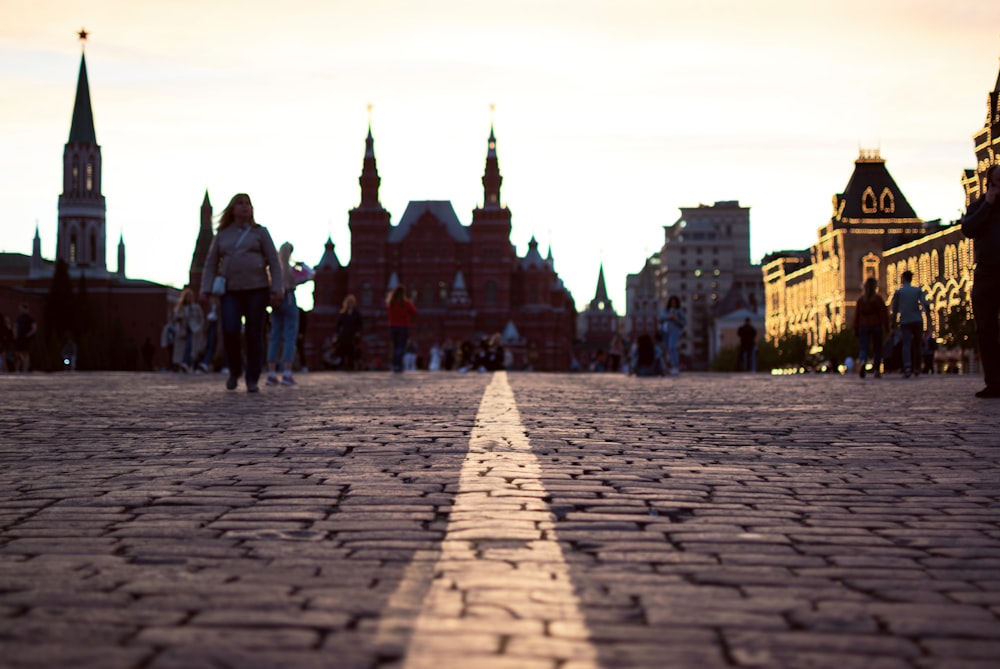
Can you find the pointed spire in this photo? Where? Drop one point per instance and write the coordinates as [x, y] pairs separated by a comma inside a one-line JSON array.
[[204, 241], [532, 259], [601, 301], [121, 254], [329, 259], [82, 128], [36, 250], [492, 178], [369, 180], [602, 291]]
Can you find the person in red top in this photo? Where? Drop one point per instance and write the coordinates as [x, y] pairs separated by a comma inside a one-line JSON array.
[[871, 322], [401, 312]]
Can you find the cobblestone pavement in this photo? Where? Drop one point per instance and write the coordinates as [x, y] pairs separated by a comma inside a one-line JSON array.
[[371, 521]]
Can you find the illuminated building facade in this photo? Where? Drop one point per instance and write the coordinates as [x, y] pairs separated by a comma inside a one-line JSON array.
[[875, 233]]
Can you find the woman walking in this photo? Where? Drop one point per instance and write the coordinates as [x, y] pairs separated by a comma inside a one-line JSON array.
[[243, 258], [871, 323], [401, 312], [284, 325], [189, 331], [672, 322]]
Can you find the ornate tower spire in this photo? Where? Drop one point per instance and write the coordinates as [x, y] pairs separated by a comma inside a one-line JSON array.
[[600, 300], [121, 254], [81, 236], [370, 179], [202, 244], [82, 128], [492, 178]]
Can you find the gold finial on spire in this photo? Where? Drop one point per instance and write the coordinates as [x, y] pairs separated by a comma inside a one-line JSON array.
[[493, 108], [370, 106]]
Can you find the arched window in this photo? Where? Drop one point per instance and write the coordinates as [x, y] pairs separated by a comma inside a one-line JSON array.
[[868, 203], [90, 176], [72, 249], [950, 262], [366, 294], [93, 248], [491, 293], [886, 201]]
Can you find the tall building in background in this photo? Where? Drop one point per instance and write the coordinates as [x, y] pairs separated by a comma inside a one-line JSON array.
[[467, 280], [81, 234], [597, 325], [814, 293], [986, 144], [705, 261], [117, 314]]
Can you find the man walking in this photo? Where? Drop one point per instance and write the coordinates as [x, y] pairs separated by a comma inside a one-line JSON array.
[[982, 223], [748, 346], [910, 305]]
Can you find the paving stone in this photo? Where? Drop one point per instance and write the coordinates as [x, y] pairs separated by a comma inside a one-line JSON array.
[[155, 521]]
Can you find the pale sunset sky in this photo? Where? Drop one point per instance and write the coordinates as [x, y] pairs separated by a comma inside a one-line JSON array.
[[610, 115]]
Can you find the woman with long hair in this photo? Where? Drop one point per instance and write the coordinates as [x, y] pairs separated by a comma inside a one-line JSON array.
[[401, 311], [243, 254], [871, 323], [189, 331], [284, 324]]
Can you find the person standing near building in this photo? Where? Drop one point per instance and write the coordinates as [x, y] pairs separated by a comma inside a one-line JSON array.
[[189, 331], [25, 329], [284, 325], [672, 322], [401, 311], [349, 325], [748, 346], [243, 254], [982, 224], [871, 322], [909, 306]]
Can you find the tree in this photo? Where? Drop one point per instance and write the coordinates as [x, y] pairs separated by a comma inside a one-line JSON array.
[[839, 345], [959, 328], [60, 311]]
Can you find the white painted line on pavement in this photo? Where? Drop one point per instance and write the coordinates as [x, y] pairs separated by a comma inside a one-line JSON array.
[[501, 587]]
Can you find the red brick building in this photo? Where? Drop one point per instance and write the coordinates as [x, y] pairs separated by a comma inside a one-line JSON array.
[[121, 312], [467, 280]]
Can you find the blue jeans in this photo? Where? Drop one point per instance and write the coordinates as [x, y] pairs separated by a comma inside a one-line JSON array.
[[748, 359], [284, 331], [873, 334], [399, 336], [673, 338], [188, 343], [236, 306], [211, 334], [911, 344]]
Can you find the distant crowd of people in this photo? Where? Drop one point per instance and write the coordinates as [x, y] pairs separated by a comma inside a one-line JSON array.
[[244, 274]]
